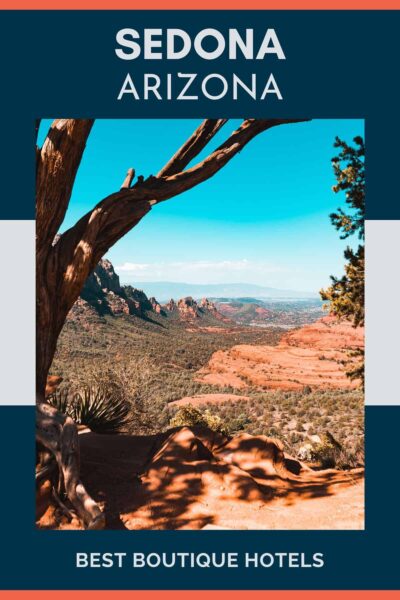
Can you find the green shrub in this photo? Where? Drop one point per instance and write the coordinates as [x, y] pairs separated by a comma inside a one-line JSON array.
[[189, 416], [330, 454]]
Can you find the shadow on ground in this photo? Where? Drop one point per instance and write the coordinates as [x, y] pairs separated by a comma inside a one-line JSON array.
[[191, 478]]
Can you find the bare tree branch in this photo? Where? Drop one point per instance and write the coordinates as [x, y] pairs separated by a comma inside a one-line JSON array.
[[80, 248], [128, 179], [176, 184], [192, 147]]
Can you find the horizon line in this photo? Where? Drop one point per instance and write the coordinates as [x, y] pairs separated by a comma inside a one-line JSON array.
[[232, 283]]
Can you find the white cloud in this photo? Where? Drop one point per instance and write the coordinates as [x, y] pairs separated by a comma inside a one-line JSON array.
[[132, 267], [200, 271]]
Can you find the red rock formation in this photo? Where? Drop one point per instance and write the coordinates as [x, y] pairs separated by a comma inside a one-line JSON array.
[[188, 308], [102, 294], [206, 304], [106, 276], [117, 304], [310, 356], [155, 305], [171, 305]]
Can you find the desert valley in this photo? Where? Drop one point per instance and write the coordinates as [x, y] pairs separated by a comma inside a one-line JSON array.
[[211, 412]]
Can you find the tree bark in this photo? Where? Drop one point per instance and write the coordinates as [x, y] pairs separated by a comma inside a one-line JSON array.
[[57, 164], [58, 434]]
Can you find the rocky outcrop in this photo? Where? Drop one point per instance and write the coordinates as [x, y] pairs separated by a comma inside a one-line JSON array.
[[188, 308], [315, 356], [171, 305], [206, 304], [117, 304], [106, 277], [103, 294], [156, 306], [138, 301]]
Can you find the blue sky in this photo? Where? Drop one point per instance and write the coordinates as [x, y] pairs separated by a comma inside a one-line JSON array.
[[264, 218]]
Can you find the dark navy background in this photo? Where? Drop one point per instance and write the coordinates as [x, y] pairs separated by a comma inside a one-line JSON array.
[[339, 64]]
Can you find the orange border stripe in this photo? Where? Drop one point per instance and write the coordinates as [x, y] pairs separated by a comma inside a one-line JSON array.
[[203, 5], [200, 595]]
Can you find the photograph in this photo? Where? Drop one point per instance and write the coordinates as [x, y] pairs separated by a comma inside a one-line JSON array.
[[200, 324]]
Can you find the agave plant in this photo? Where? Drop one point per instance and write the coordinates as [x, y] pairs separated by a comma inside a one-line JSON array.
[[99, 409], [94, 406]]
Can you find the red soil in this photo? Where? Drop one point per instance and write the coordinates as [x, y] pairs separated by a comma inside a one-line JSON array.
[[311, 355], [192, 478], [201, 399]]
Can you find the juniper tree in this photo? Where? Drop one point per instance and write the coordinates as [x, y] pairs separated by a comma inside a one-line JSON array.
[[346, 294]]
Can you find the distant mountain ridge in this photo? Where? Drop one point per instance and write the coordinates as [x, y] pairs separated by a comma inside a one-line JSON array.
[[164, 290], [103, 295]]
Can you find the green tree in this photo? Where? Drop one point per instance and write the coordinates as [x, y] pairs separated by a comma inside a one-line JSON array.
[[346, 294]]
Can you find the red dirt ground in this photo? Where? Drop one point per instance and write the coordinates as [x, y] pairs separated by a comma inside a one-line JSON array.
[[193, 478], [201, 399]]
